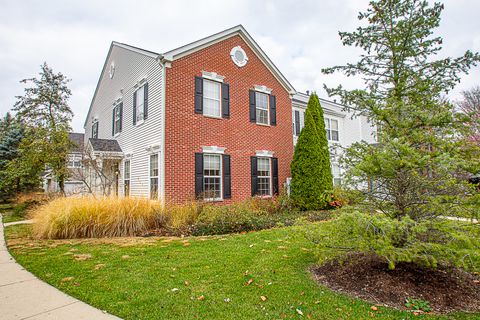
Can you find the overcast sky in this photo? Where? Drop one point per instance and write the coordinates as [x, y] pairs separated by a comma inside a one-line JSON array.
[[301, 37]]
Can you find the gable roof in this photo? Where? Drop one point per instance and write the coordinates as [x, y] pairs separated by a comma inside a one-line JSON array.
[[192, 47], [239, 30], [105, 145]]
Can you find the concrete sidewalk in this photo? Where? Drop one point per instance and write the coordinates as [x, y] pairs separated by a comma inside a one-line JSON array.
[[23, 296]]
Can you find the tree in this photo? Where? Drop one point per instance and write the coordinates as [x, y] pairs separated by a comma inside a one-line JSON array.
[[470, 105], [311, 171], [46, 115], [418, 169]]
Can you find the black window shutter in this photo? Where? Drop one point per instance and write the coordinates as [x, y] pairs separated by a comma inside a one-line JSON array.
[[253, 112], [227, 177], [225, 100], [275, 175], [198, 175], [145, 101], [113, 122], [297, 122], [135, 108], [121, 116], [254, 173], [198, 95], [273, 110]]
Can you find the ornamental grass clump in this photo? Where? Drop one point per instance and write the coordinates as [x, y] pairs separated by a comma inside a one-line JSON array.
[[87, 217]]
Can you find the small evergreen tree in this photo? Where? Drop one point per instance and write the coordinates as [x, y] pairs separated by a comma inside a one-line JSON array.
[[311, 171]]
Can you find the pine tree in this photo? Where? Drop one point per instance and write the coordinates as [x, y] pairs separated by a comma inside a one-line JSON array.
[[311, 171]]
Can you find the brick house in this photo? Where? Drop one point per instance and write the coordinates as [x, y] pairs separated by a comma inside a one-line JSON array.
[[211, 119]]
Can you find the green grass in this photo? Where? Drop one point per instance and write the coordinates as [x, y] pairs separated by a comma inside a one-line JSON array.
[[12, 212], [139, 275]]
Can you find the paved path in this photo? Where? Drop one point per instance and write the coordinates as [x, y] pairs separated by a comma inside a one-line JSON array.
[[23, 296], [18, 222]]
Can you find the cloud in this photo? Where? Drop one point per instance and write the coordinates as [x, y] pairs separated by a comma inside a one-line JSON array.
[[301, 37]]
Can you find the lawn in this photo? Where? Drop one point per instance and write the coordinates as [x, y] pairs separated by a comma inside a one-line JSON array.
[[259, 275], [12, 212]]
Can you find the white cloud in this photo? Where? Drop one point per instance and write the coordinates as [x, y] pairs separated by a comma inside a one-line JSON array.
[[301, 37]]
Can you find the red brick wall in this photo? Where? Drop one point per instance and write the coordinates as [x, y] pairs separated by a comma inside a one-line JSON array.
[[186, 132]]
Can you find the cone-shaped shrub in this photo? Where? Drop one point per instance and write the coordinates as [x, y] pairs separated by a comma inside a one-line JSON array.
[[311, 171]]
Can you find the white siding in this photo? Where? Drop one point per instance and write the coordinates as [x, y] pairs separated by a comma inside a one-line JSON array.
[[135, 140], [350, 129]]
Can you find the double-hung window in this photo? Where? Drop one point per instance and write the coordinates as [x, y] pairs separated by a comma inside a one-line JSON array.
[[126, 178], [117, 119], [74, 162], [264, 177], [154, 176], [261, 108], [140, 104], [95, 130], [337, 179], [212, 176], [212, 98], [331, 128]]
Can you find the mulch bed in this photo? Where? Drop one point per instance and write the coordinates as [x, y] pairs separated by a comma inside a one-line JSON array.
[[368, 278]]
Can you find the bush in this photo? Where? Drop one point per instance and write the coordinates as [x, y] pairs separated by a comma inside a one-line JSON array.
[[66, 218], [427, 244], [249, 215]]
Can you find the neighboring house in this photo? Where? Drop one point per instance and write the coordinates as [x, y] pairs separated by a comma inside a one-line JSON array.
[[341, 125], [211, 119], [74, 164]]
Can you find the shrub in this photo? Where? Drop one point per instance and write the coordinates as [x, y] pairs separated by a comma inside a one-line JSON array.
[[66, 218], [249, 215], [426, 244], [311, 172]]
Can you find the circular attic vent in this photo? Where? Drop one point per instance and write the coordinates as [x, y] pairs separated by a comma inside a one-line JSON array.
[[239, 56]]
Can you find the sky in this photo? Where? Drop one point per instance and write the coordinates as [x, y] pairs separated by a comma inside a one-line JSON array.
[[300, 37]]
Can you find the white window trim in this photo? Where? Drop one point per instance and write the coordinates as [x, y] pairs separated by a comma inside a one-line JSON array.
[[150, 176], [270, 178], [264, 153], [129, 176], [232, 55], [115, 105], [213, 150], [212, 76], [219, 100], [137, 87], [95, 121], [263, 89], [221, 178], [268, 110]]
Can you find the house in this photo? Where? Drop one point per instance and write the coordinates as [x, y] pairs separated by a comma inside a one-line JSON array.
[[211, 119], [342, 125], [74, 163]]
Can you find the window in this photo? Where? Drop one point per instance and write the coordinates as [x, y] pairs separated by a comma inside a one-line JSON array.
[[211, 98], [74, 162], [212, 177], [154, 176], [117, 121], [95, 130], [331, 127], [264, 177], [140, 104], [261, 106], [126, 178], [337, 180]]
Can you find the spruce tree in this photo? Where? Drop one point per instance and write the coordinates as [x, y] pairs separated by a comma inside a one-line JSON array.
[[311, 172]]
